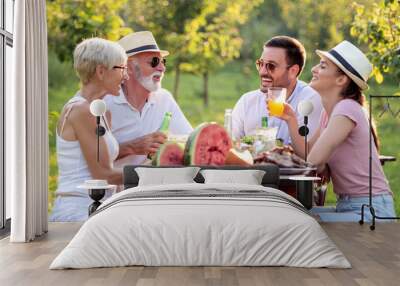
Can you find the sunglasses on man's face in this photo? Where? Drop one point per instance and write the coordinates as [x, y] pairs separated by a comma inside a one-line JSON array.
[[155, 61], [270, 67]]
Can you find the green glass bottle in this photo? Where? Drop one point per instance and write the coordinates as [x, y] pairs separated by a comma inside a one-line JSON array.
[[264, 122], [164, 128]]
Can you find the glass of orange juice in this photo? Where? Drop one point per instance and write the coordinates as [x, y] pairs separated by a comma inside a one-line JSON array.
[[277, 97]]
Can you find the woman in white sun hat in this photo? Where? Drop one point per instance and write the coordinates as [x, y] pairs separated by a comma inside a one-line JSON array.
[[341, 144]]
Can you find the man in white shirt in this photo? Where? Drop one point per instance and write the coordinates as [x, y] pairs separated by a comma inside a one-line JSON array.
[[139, 109], [280, 65]]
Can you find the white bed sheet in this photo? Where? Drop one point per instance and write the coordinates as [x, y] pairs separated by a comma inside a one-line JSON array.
[[200, 231]]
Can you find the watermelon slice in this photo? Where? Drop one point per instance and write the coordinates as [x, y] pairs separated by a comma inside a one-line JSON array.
[[169, 154], [237, 157], [208, 144]]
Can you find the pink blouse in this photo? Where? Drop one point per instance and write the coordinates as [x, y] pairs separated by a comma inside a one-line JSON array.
[[349, 163]]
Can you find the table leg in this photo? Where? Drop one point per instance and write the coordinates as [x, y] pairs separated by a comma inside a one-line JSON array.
[[305, 193]]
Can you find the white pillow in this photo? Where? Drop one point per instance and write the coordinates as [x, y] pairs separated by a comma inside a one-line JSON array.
[[163, 176], [249, 177]]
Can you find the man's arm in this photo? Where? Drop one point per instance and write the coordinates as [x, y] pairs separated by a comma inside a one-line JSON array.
[[144, 145]]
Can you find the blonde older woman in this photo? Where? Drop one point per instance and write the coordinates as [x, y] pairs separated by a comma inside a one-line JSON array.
[[101, 67], [342, 142]]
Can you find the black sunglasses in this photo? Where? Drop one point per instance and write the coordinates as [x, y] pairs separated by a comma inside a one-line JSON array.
[[120, 67], [271, 67], [155, 61]]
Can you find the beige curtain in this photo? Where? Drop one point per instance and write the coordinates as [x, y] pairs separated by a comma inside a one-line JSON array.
[[26, 121]]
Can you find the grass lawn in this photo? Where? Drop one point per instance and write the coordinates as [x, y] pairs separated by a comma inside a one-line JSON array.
[[225, 88]]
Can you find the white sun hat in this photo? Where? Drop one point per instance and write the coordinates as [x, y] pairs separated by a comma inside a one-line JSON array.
[[95, 184], [352, 61], [140, 42]]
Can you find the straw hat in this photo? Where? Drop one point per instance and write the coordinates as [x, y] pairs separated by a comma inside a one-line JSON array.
[[140, 42], [352, 61]]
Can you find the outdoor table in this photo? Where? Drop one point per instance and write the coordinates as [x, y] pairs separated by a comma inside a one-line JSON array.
[[385, 159], [299, 186], [304, 189]]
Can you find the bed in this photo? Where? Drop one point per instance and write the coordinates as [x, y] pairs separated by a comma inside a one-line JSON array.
[[201, 224]]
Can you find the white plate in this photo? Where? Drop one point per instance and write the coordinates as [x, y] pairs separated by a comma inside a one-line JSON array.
[[295, 171], [304, 178]]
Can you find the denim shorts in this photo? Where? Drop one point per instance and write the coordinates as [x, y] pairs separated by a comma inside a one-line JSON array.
[[348, 209], [70, 209]]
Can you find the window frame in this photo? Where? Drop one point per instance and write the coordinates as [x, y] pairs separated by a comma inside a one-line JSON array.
[[6, 39]]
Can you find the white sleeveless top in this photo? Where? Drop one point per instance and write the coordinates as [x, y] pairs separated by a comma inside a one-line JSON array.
[[72, 167]]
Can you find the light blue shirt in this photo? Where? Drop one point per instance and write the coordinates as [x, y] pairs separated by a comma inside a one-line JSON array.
[[251, 107]]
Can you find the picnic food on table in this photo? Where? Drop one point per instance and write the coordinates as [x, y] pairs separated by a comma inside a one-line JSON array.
[[257, 144], [283, 157], [248, 139], [239, 157], [169, 154], [208, 144]]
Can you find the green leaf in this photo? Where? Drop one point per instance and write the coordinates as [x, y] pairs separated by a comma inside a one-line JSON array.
[[70, 21], [378, 28], [378, 77]]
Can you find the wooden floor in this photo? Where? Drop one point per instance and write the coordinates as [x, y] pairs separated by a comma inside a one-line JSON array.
[[374, 255]]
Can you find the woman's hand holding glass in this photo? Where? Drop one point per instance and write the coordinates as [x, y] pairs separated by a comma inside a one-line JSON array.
[[276, 97], [287, 112]]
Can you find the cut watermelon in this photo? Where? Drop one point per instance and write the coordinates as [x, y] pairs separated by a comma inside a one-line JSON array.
[[241, 158], [169, 154], [208, 144]]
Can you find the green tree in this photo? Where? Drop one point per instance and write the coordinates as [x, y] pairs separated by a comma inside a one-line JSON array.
[[71, 21], [214, 36], [316, 23], [265, 22], [201, 35], [379, 28], [167, 21]]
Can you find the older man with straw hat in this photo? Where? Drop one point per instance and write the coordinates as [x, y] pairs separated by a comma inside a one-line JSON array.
[[139, 109]]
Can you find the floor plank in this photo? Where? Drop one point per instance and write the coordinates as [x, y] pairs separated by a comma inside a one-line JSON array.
[[374, 255]]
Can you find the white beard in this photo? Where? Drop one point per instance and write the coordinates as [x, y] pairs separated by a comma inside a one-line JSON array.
[[149, 84]]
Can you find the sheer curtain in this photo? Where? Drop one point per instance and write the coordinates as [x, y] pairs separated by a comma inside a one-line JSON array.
[[26, 121]]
